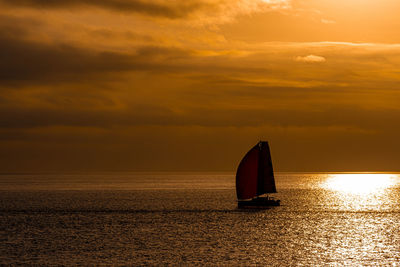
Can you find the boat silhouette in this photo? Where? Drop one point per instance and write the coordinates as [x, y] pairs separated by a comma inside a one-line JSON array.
[[255, 178]]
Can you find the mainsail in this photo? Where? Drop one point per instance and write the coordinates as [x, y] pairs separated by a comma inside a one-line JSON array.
[[255, 175]]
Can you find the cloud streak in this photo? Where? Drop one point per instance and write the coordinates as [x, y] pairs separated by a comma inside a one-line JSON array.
[[153, 8], [310, 59], [161, 8]]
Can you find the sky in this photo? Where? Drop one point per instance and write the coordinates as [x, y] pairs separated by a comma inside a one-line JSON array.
[[168, 85]]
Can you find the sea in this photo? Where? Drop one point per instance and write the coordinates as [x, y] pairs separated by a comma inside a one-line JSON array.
[[192, 219]]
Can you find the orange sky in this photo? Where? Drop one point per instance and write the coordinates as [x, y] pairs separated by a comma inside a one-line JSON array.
[[124, 85]]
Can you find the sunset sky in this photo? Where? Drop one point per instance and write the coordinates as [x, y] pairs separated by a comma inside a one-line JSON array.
[[168, 85]]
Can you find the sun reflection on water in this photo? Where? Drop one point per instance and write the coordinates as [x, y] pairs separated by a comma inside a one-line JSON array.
[[360, 192], [359, 184]]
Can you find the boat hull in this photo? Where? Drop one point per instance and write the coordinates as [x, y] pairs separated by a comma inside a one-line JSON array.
[[258, 203]]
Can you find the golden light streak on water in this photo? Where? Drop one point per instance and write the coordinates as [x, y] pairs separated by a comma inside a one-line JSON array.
[[360, 191], [359, 184]]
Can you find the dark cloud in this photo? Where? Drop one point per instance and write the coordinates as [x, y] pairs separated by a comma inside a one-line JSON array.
[[28, 61], [12, 27], [157, 114], [109, 34], [176, 9]]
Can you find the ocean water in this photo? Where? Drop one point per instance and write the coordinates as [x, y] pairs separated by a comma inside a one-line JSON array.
[[144, 219]]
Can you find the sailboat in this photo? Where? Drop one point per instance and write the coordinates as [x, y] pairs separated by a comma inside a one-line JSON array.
[[255, 178]]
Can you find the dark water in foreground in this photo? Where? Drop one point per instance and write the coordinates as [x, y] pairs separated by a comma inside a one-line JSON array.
[[192, 219]]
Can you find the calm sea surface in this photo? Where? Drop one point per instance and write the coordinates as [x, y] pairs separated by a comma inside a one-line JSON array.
[[192, 219]]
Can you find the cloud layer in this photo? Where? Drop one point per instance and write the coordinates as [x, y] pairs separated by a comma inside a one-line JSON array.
[[130, 85]]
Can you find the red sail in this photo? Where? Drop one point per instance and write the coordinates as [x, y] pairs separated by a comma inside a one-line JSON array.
[[247, 174], [266, 181]]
